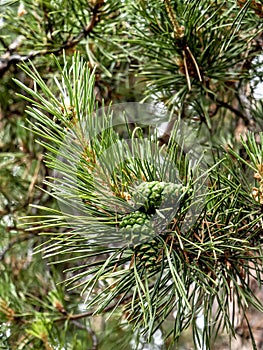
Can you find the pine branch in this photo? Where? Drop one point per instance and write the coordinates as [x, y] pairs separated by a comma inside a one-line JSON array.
[[10, 58], [24, 236], [207, 256], [74, 317]]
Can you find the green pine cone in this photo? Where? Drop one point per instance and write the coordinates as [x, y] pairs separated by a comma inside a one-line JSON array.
[[136, 227], [155, 194], [148, 253], [138, 230]]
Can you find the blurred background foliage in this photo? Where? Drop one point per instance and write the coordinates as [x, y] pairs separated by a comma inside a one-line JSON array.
[[201, 59]]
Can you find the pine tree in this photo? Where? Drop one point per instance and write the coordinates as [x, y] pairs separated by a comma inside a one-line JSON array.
[[131, 173]]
